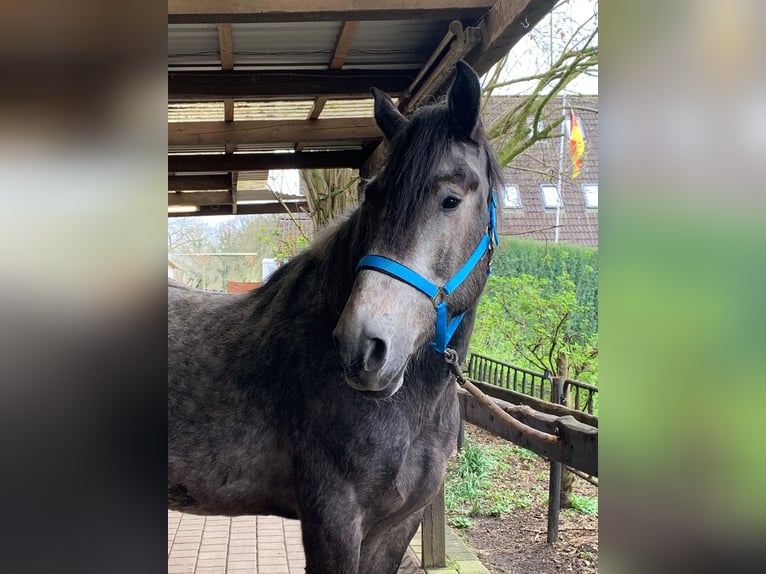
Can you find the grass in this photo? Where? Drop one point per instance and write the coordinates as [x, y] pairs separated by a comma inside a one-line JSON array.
[[476, 485], [585, 504], [461, 522]]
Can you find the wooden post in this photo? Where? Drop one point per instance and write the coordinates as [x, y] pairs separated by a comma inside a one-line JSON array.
[[554, 483], [567, 478], [433, 533]]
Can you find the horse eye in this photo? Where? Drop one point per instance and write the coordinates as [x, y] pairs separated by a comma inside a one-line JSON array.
[[450, 203]]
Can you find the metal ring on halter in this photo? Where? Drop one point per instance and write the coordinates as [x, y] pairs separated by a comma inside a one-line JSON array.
[[439, 297]]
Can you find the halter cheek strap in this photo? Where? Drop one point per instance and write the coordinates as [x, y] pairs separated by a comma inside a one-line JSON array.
[[445, 329]]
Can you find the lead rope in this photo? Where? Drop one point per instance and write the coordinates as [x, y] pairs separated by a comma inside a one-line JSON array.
[[450, 357]]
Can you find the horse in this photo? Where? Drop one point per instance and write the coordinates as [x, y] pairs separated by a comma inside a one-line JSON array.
[[324, 394]]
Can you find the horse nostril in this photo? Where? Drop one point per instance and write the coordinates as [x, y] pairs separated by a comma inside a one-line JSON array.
[[374, 354]]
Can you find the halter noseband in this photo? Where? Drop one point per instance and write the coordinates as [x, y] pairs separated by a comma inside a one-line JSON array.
[[438, 295]]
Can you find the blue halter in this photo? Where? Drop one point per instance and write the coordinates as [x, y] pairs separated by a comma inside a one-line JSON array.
[[438, 295]]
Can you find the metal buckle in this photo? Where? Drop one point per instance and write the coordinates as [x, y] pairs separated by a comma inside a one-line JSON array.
[[439, 298], [490, 253]]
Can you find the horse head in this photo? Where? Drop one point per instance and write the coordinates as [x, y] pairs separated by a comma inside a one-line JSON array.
[[432, 226]]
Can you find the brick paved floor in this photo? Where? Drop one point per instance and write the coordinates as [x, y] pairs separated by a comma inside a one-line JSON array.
[[242, 545]]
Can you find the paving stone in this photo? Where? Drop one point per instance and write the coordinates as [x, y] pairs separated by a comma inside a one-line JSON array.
[[471, 567]]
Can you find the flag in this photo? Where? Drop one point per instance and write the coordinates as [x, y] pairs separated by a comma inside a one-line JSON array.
[[576, 144]]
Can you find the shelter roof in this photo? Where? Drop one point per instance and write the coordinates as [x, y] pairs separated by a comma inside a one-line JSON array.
[[274, 84]]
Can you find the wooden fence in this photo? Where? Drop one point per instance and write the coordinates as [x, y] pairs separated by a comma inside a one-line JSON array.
[[521, 380], [536, 400]]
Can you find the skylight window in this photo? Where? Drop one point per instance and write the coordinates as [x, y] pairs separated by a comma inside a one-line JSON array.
[[551, 197], [511, 197], [590, 191]]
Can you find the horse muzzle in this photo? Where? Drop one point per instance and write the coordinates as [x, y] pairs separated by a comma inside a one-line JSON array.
[[382, 325], [367, 362]]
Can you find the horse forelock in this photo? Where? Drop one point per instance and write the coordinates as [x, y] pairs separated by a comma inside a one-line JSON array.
[[402, 189]]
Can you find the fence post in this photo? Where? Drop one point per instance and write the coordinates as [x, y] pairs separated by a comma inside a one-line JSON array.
[[433, 533], [554, 482], [567, 477]]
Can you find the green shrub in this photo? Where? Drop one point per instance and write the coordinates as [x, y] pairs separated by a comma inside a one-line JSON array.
[[585, 504], [541, 299]]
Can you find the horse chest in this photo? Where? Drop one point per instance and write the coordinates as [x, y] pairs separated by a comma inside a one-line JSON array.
[[406, 474]]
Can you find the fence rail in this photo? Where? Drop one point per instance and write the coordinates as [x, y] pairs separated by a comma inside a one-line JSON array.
[[525, 381]]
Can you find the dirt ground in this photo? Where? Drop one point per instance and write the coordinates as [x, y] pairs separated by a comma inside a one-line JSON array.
[[516, 543]]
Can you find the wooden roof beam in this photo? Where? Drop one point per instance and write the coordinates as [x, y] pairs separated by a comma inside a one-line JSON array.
[[236, 11], [271, 131], [199, 182], [282, 85], [190, 163], [247, 209], [506, 23], [199, 198]]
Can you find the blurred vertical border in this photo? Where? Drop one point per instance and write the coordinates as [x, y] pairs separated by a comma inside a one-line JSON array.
[[82, 236], [682, 286], [83, 101]]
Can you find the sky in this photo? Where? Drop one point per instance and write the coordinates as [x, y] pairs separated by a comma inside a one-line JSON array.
[[531, 54]]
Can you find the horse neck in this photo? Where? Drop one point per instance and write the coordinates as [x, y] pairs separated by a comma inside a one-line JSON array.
[[338, 255]]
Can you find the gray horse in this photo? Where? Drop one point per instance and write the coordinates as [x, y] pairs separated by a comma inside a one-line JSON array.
[[320, 396]]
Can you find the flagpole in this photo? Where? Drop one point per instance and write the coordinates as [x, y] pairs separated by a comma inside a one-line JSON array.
[[561, 165]]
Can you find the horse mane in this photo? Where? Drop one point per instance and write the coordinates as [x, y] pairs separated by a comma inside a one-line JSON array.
[[402, 184]]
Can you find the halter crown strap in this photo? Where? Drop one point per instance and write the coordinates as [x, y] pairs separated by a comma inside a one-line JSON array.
[[466, 269]]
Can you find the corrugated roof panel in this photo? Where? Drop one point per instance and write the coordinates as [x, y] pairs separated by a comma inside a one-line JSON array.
[[271, 110], [255, 148], [197, 148], [253, 174], [284, 43], [348, 109], [403, 44], [252, 184], [197, 112], [193, 44]]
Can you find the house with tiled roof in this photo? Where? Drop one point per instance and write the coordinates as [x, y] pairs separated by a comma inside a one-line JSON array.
[[539, 182]]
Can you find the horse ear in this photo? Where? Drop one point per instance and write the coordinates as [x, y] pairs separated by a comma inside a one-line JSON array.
[[464, 101], [388, 118]]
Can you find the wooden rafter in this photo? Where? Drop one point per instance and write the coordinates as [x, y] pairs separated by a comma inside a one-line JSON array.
[[234, 178], [262, 161], [342, 46], [317, 108], [506, 23], [245, 209], [195, 182], [213, 11], [200, 198], [226, 46], [271, 131], [283, 85]]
